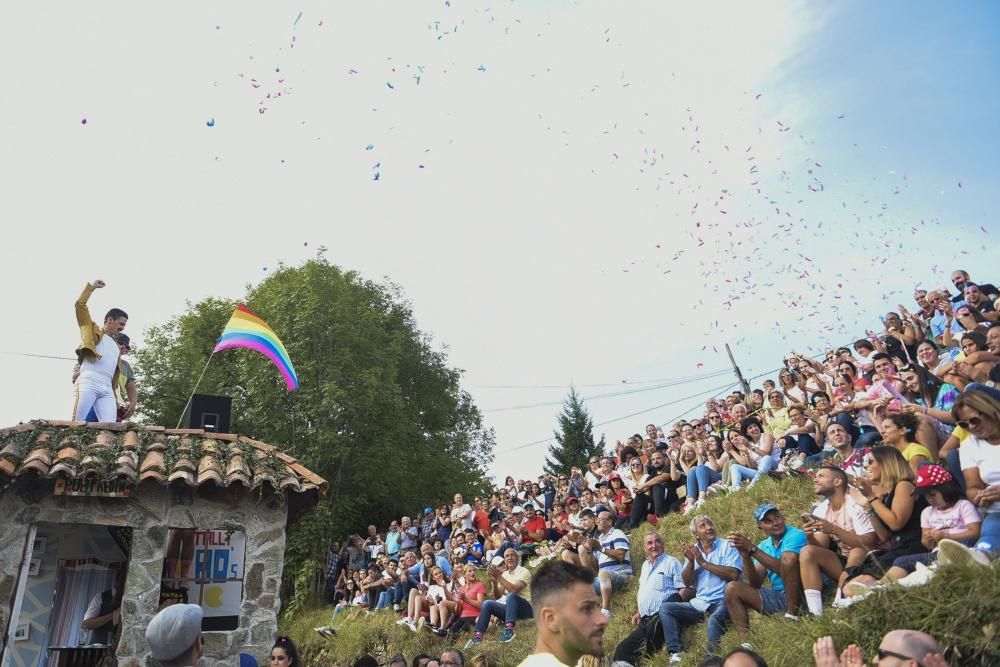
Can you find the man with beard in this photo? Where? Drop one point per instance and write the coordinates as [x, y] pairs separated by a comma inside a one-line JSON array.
[[567, 614]]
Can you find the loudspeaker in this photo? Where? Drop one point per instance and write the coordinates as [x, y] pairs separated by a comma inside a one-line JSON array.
[[211, 413]]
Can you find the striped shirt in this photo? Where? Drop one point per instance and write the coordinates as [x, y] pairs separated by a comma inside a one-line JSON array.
[[614, 539], [658, 581]]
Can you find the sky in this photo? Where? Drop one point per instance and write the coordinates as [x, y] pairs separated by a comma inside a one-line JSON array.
[[587, 193]]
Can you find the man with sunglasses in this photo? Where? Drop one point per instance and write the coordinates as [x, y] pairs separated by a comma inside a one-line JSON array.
[[899, 648]]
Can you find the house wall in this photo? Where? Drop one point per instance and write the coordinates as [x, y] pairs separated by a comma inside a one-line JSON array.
[[150, 512], [61, 543]]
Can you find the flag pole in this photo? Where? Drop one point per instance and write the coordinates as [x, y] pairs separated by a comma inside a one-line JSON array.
[[197, 384]]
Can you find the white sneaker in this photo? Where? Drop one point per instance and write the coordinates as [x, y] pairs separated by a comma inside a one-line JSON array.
[[918, 577], [951, 552], [403, 621], [676, 658]]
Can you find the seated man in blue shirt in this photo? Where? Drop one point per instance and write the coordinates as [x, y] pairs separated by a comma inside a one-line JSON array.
[[711, 563], [777, 558], [659, 580]]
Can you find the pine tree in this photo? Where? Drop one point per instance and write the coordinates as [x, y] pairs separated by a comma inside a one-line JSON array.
[[574, 440]]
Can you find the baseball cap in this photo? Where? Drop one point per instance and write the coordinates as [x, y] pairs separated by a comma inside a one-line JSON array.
[[517, 509], [572, 499], [173, 630], [527, 505], [614, 475], [930, 476], [762, 510], [428, 510], [123, 339]]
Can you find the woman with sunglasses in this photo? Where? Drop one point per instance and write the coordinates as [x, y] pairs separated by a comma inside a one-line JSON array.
[[635, 475], [789, 381], [979, 414], [888, 491], [776, 419]]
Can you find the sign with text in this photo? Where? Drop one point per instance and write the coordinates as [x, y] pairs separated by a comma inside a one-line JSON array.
[[205, 567], [92, 488]]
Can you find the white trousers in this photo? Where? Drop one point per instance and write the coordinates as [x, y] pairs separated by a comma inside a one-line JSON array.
[[93, 390]]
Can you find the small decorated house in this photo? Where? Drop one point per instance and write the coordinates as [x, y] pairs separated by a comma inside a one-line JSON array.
[[99, 518]]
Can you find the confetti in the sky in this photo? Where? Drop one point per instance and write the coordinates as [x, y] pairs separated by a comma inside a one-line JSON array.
[[210, 122], [83, 121]]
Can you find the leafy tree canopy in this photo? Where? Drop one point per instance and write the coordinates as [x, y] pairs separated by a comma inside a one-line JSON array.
[[379, 414]]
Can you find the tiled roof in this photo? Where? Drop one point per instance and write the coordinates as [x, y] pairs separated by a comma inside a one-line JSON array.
[[125, 451]]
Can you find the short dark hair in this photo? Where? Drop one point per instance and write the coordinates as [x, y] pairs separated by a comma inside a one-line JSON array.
[[878, 356], [416, 659], [836, 472], [115, 314], [812, 399], [863, 343], [757, 660], [554, 577], [747, 422]]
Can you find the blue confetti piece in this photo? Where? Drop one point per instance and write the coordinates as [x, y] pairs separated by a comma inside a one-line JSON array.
[[391, 87], [369, 147], [210, 122], [297, 19], [376, 177], [482, 68]]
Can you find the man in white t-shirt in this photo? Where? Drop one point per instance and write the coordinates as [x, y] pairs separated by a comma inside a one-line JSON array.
[[610, 550], [461, 511], [567, 616], [840, 535]]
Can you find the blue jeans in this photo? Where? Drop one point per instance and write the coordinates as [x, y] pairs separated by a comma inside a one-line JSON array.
[[401, 591], [739, 473], [512, 609], [674, 614], [699, 479], [385, 598], [989, 535]]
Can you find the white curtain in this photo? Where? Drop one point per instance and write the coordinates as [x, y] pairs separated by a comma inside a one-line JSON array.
[[79, 582]]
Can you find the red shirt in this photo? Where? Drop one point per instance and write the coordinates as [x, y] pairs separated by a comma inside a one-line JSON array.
[[471, 590], [533, 526], [481, 520]]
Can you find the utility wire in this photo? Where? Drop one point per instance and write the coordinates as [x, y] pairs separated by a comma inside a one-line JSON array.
[[617, 419], [602, 384], [39, 356], [613, 393]]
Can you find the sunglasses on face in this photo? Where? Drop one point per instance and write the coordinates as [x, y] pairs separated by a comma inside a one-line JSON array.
[[884, 653], [971, 422]]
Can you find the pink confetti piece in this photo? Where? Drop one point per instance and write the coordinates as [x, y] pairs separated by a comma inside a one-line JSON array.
[[83, 121]]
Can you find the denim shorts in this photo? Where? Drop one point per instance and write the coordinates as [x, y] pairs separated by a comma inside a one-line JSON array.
[[772, 601], [618, 581]]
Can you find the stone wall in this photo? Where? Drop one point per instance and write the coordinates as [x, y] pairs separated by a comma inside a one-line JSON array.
[[150, 512]]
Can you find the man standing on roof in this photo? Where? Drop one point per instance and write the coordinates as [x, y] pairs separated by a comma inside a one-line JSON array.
[[99, 357]]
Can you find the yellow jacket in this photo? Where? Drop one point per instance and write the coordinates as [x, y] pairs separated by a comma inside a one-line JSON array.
[[90, 333]]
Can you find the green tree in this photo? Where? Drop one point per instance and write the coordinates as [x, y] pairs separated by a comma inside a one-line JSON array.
[[379, 413], [575, 438]]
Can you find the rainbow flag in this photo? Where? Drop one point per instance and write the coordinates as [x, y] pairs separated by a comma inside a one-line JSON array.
[[245, 329]]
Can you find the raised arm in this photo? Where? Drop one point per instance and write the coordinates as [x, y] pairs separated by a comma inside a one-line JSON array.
[[82, 312]]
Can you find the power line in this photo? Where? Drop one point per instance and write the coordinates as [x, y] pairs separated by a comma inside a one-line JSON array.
[[39, 356], [612, 394], [600, 384], [617, 419]]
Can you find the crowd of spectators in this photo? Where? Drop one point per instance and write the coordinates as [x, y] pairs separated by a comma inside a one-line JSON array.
[[899, 432]]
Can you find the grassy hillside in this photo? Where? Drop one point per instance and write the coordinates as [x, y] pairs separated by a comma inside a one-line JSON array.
[[960, 607]]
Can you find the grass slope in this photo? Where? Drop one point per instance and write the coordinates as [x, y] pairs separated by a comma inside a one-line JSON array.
[[960, 607]]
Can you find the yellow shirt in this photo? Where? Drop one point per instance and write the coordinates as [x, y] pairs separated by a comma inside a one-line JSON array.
[[520, 573], [915, 449]]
